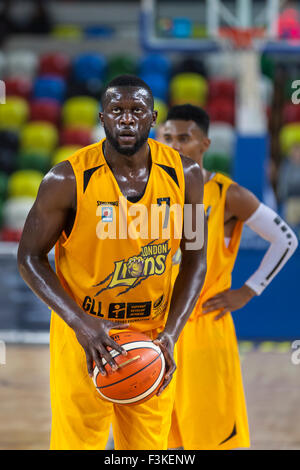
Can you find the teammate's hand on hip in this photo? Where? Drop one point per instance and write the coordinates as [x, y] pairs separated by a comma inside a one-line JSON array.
[[93, 335], [228, 301], [166, 344]]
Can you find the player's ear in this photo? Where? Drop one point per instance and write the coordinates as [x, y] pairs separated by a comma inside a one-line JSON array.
[[154, 118], [101, 118], [206, 144]]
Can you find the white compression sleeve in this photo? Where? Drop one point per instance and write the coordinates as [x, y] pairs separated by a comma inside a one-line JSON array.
[[266, 223]]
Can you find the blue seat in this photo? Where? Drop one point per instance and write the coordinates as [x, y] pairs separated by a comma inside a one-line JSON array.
[[89, 66], [158, 83], [50, 87], [155, 63]]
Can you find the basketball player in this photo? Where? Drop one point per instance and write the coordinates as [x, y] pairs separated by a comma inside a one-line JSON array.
[[210, 411], [105, 282]]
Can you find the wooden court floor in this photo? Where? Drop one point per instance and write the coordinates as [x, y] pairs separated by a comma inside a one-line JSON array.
[[271, 381]]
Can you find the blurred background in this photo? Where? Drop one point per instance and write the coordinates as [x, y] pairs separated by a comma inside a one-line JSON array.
[[238, 59]]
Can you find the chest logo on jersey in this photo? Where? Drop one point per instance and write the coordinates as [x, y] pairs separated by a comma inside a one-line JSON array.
[[151, 261]]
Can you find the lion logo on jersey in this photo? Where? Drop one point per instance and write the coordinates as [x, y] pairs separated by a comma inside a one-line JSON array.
[[150, 261]]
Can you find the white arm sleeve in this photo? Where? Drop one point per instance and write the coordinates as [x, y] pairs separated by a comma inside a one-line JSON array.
[[266, 223]]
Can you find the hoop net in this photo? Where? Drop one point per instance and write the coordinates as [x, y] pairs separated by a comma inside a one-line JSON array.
[[240, 38]]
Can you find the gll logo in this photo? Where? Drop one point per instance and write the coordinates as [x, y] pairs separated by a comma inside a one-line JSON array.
[[107, 214]]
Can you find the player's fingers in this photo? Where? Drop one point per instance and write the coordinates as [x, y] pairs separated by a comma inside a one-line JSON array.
[[164, 385], [98, 361], [108, 357], [220, 315], [112, 344], [213, 308]]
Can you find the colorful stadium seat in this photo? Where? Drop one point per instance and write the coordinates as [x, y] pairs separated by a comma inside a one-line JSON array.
[[18, 87], [9, 139], [15, 211], [162, 109], [24, 183], [221, 88], [49, 86], [21, 64], [98, 133], [190, 65], [55, 63], [188, 88], [45, 109], [154, 63], [291, 113], [67, 32], [62, 153], [89, 66], [221, 110], [34, 161], [14, 113], [76, 136], [158, 83], [8, 160], [39, 136], [289, 135], [80, 111], [3, 185], [121, 64], [92, 87], [222, 138], [218, 162]]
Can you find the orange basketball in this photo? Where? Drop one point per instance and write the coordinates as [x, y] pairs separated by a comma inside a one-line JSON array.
[[139, 374]]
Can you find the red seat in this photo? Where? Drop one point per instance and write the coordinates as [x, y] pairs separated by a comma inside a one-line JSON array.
[[18, 87], [221, 110], [76, 136], [44, 109], [221, 88], [291, 113], [55, 64], [9, 235]]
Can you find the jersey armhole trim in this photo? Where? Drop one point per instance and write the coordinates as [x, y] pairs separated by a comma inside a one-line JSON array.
[[78, 202]]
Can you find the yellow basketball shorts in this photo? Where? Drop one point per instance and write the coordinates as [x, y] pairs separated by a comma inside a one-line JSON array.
[[210, 409], [81, 419]]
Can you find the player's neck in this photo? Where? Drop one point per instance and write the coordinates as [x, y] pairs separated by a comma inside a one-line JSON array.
[[138, 160]]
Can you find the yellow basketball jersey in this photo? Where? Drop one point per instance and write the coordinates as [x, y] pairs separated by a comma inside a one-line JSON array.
[[116, 262], [220, 258]]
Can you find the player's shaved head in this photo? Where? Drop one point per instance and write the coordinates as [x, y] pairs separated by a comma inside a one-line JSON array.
[[127, 81]]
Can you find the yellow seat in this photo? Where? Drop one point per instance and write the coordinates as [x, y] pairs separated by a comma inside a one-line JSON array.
[[24, 183], [289, 135], [162, 109], [80, 111], [39, 136], [67, 31], [62, 153], [14, 113], [188, 88]]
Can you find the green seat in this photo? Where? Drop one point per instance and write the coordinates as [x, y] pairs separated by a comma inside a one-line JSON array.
[[121, 64], [34, 161], [3, 185], [267, 66], [221, 163]]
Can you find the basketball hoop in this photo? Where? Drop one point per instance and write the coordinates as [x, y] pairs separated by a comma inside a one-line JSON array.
[[241, 38]]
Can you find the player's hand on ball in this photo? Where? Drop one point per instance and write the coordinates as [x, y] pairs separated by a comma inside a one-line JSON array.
[[93, 336], [228, 301], [166, 344]]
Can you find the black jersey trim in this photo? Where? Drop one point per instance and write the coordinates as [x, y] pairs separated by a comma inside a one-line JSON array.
[[171, 172], [87, 174]]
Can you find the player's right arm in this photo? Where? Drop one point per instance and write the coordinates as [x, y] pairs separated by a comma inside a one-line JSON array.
[[46, 220]]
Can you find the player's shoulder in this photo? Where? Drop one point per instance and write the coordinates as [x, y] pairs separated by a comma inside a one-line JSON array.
[[59, 185], [191, 168]]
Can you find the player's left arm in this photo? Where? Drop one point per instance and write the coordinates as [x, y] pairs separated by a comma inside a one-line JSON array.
[[243, 205], [190, 279]]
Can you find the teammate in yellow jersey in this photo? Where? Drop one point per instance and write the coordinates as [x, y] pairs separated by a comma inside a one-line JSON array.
[[210, 410], [112, 271]]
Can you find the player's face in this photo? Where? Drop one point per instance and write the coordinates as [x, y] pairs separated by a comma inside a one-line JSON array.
[[185, 137], [127, 118]]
